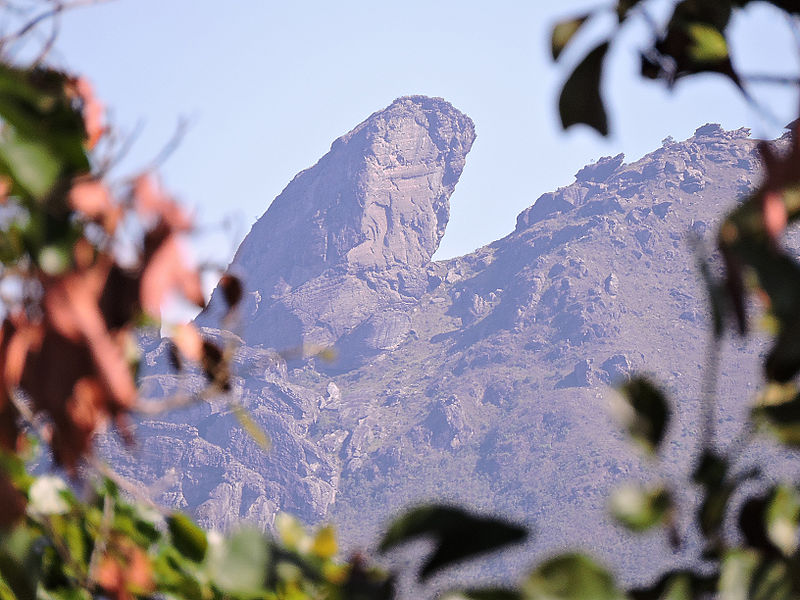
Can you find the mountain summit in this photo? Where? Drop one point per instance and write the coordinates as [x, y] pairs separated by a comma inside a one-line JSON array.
[[357, 228]]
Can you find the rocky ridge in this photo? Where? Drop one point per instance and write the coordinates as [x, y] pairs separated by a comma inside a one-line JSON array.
[[482, 379]]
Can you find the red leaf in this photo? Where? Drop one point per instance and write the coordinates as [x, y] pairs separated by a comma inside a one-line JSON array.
[[71, 306], [188, 341], [92, 198], [167, 272], [12, 501], [774, 214], [151, 201], [93, 111]]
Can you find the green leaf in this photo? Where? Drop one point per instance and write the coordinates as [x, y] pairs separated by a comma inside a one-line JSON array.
[[677, 585], [20, 564], [457, 534], [563, 32], [324, 545], [483, 594], [570, 577], [711, 470], [35, 104], [713, 510], [580, 100], [783, 511], [781, 420], [644, 412], [638, 508], [31, 164], [253, 429], [746, 575], [188, 538], [708, 45], [238, 564]]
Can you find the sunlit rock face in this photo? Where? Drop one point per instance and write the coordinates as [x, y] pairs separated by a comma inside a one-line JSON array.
[[352, 235]]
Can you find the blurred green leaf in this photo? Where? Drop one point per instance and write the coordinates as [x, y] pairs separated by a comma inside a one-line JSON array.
[[483, 594], [783, 510], [563, 32], [781, 420], [238, 564], [188, 538], [324, 545], [711, 469], [580, 100], [570, 577], [746, 575], [707, 43], [35, 104], [30, 163], [644, 412], [20, 564], [457, 534], [248, 423], [639, 508], [713, 509], [677, 585]]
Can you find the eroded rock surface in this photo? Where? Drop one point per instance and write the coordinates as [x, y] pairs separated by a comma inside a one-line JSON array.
[[351, 235]]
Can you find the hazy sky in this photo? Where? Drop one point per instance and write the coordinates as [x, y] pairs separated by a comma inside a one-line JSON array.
[[268, 86]]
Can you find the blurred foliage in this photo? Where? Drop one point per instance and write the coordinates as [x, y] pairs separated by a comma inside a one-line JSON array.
[[68, 365]]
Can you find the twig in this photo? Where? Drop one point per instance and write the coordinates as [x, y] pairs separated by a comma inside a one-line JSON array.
[[770, 79], [35, 21], [101, 540], [171, 145], [125, 484], [708, 404]]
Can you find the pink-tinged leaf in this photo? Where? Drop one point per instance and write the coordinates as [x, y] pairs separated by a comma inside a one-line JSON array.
[[71, 306], [167, 272], [23, 337], [188, 341], [152, 202], [774, 214], [93, 112], [92, 198]]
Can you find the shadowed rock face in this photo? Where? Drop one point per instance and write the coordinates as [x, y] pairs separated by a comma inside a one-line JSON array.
[[378, 202]]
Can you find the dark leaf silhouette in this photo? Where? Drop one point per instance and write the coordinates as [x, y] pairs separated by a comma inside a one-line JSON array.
[[580, 100], [187, 537], [563, 32], [457, 534], [645, 412], [571, 577]]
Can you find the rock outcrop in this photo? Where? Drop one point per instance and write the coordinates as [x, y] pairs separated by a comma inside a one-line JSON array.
[[352, 235]]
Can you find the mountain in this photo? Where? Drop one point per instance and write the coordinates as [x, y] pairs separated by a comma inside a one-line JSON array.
[[484, 379]]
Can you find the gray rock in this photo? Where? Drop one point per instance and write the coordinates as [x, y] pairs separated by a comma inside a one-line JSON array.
[[601, 170], [378, 201]]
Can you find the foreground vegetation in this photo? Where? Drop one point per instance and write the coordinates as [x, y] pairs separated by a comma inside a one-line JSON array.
[[68, 359]]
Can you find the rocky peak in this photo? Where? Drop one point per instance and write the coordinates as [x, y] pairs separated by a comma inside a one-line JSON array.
[[379, 198], [374, 208]]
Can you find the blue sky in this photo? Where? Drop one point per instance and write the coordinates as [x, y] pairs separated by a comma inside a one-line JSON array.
[[267, 87]]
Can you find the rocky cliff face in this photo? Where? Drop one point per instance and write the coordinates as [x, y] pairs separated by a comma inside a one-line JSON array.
[[350, 237], [482, 379]]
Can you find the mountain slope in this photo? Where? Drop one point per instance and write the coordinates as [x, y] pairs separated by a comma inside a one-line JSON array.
[[482, 379]]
